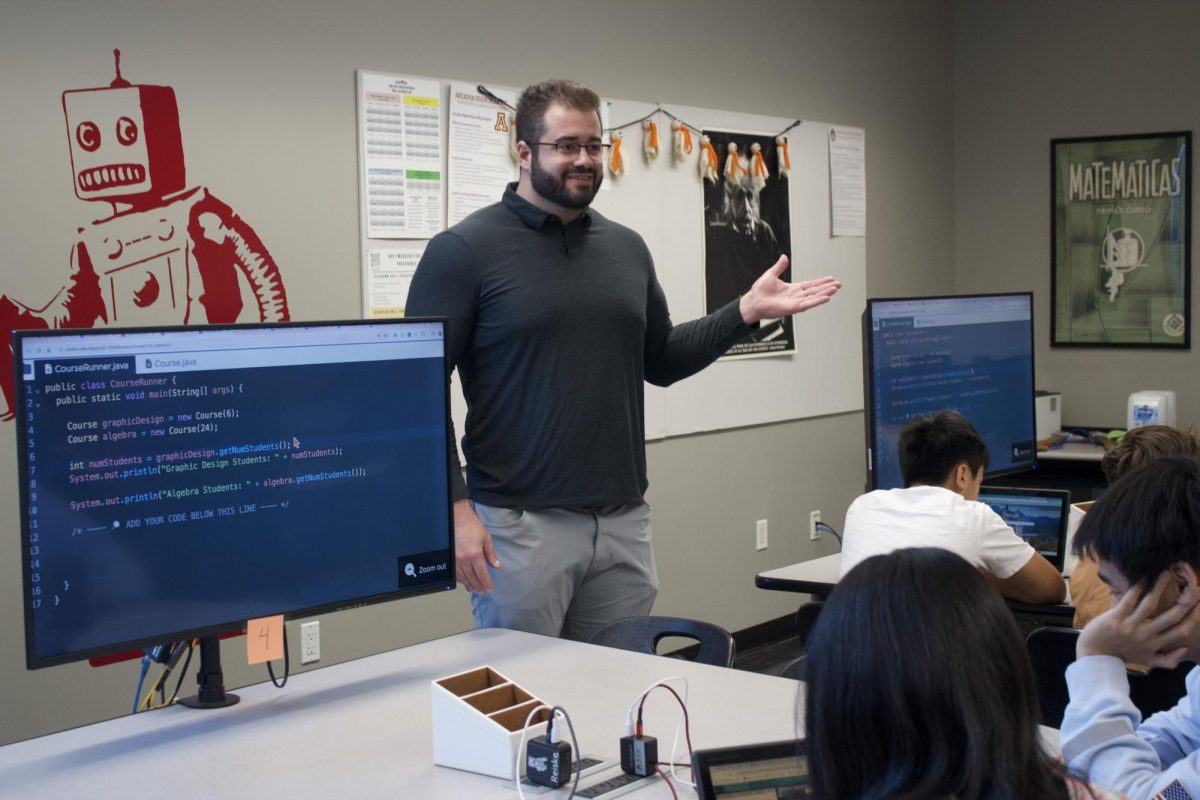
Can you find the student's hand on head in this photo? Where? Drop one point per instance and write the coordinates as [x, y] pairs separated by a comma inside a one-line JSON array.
[[473, 549], [772, 297], [1137, 629]]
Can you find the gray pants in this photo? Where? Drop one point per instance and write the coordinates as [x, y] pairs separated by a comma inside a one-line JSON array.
[[567, 572]]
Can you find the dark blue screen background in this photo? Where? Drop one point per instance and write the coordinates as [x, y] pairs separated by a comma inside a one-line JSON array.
[[373, 492], [983, 370]]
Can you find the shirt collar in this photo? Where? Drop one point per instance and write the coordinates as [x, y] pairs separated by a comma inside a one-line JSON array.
[[534, 217]]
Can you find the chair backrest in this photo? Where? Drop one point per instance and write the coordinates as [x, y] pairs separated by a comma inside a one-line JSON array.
[[806, 617], [642, 635], [1053, 649], [797, 670]]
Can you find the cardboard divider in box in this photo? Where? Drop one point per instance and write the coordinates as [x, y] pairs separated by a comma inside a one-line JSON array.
[[477, 721]]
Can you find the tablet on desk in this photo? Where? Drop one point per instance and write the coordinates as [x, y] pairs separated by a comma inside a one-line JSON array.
[[767, 771]]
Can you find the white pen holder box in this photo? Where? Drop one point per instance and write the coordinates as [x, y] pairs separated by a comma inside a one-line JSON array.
[[477, 721]]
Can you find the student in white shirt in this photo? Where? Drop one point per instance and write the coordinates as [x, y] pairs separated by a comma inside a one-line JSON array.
[[942, 460]]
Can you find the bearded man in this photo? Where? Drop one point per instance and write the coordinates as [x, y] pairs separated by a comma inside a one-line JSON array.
[[556, 318]]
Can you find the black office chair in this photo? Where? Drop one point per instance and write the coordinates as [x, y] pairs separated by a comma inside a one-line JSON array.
[[642, 634], [797, 670], [1051, 650], [806, 617]]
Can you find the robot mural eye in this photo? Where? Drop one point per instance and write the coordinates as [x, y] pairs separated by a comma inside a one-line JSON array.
[[127, 131], [88, 136]]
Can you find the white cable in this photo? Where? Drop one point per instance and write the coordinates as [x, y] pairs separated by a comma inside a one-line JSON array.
[[521, 747], [629, 724]]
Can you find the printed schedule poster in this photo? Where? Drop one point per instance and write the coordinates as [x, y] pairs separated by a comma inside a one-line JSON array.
[[479, 165], [401, 131], [1122, 256]]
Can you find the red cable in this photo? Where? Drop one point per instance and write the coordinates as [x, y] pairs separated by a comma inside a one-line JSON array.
[[658, 768], [687, 730]]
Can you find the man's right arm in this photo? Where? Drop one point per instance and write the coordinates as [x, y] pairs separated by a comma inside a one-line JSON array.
[[472, 548], [444, 286], [1038, 583]]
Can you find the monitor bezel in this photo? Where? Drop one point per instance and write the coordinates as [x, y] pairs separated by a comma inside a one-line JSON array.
[[33, 661], [869, 388]]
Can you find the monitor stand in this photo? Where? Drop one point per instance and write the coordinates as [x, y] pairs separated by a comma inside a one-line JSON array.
[[210, 679]]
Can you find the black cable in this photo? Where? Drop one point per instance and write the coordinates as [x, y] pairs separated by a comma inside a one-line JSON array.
[[483, 90], [660, 110], [183, 672], [795, 124], [287, 663], [821, 526]]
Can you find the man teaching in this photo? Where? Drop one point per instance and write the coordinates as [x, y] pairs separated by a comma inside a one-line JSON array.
[[556, 318]]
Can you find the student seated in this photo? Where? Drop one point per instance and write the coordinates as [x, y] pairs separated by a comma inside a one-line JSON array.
[[1138, 447], [919, 686], [1145, 533], [942, 459]]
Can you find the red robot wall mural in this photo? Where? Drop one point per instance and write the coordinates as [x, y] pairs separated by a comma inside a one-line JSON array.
[[163, 253]]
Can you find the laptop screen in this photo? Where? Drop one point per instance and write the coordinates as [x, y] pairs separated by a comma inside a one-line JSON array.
[[768, 771], [1039, 516]]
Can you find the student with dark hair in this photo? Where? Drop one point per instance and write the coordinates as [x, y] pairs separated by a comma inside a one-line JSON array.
[[942, 459], [1145, 534], [1138, 447], [910, 695]]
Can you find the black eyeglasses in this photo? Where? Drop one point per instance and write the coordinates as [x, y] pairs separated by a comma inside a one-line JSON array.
[[571, 149]]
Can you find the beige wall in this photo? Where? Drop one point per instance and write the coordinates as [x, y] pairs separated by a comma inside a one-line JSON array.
[[1028, 71], [266, 96]]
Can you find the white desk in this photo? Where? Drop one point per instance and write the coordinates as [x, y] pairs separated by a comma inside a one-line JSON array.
[[818, 577], [363, 729]]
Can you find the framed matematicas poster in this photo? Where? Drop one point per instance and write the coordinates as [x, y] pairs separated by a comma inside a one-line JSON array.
[[1121, 249]]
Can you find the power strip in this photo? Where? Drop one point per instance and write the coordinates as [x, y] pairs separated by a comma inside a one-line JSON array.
[[615, 787], [589, 768]]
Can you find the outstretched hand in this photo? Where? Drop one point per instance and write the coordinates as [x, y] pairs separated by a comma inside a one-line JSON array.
[[771, 297]]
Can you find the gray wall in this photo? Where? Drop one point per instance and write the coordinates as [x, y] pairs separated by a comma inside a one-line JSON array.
[[1028, 71], [266, 95]]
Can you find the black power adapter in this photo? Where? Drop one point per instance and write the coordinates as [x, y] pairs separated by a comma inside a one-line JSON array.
[[548, 763], [639, 755]]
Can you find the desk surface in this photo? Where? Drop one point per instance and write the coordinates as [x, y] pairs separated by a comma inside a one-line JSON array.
[[1073, 451], [363, 728], [819, 576]]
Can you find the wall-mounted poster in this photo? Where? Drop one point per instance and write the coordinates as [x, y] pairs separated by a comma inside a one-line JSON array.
[[1121, 255], [747, 226]]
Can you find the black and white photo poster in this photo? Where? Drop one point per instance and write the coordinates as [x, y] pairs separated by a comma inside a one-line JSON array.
[[746, 229]]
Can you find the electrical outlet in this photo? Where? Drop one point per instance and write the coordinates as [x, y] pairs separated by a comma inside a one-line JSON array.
[[310, 642], [814, 532], [760, 535]]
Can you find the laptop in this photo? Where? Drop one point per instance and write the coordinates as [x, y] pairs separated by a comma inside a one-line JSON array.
[[1039, 516], [767, 771]]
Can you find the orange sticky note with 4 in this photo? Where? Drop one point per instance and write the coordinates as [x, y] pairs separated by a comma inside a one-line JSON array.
[[264, 639]]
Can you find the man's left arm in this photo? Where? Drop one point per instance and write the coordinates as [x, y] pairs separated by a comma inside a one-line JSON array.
[[674, 352]]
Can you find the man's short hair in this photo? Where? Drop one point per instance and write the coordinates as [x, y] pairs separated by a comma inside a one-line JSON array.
[[931, 447], [1140, 446], [536, 99], [1147, 521]]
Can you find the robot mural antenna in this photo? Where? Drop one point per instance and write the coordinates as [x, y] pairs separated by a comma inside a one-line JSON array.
[[118, 82]]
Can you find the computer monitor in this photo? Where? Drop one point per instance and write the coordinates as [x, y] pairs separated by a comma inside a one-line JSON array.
[[1039, 516], [177, 482], [969, 353]]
